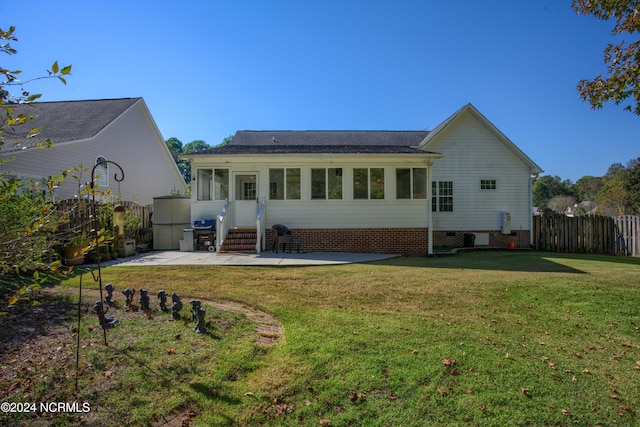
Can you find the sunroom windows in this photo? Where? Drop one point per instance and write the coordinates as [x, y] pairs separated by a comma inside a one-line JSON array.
[[368, 183], [213, 184], [326, 183], [411, 183], [332, 183], [284, 184]]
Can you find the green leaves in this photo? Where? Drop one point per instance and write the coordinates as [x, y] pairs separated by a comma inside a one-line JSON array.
[[57, 72], [623, 61], [26, 293]]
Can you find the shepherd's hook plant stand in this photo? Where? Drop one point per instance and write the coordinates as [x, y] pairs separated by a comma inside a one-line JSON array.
[[118, 178]]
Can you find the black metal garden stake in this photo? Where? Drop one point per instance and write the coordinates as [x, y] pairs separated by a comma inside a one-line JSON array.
[[96, 230]]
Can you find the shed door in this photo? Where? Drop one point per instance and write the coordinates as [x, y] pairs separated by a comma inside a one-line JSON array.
[[246, 197]]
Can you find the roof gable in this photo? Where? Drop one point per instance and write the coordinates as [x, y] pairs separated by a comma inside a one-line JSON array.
[[439, 130], [64, 121]]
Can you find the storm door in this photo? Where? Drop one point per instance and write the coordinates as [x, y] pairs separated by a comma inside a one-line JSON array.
[[246, 199]]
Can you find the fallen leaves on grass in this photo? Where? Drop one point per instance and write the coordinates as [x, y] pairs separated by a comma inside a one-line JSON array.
[[355, 396], [276, 411]]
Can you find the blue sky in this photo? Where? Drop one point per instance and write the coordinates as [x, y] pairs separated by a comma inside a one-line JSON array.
[[208, 68]]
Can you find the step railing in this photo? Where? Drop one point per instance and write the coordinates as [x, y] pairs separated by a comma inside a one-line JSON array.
[[222, 226], [260, 226]]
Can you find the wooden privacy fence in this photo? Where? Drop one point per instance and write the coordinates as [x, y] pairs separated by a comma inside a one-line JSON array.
[[628, 227], [78, 217], [592, 234]]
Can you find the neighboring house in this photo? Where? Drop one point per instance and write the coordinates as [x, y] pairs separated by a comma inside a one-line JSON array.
[[86, 132], [371, 191], [582, 208]]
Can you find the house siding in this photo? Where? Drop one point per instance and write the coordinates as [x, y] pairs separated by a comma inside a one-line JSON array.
[[473, 153], [131, 140]]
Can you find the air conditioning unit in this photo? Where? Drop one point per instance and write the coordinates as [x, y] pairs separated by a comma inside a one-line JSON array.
[[506, 223]]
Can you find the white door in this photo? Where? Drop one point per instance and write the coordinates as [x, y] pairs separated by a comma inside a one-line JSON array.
[[246, 199]]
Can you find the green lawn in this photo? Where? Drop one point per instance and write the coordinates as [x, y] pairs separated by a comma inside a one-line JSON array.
[[492, 339]]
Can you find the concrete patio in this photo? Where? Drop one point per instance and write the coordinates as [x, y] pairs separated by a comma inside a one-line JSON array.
[[262, 259]]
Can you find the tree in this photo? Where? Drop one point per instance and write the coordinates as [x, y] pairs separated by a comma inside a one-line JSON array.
[[28, 223], [612, 196], [545, 188], [623, 60], [632, 187], [175, 147], [587, 187], [225, 141], [560, 204], [195, 146]]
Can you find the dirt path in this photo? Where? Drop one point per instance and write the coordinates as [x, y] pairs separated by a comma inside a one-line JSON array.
[[268, 329]]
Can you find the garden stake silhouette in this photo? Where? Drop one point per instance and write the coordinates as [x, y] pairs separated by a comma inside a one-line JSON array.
[[162, 296], [200, 329], [176, 306], [105, 322], [144, 300], [129, 294], [195, 305], [108, 299]]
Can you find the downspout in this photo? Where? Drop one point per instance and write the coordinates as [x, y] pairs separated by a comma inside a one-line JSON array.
[[429, 211], [533, 175]]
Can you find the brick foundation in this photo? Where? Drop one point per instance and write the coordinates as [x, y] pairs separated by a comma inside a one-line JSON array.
[[405, 241], [455, 239]]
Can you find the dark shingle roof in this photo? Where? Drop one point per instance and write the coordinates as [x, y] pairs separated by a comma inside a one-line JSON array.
[[322, 142], [64, 121]]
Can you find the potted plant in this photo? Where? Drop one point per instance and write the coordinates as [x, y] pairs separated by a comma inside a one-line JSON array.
[[76, 247]]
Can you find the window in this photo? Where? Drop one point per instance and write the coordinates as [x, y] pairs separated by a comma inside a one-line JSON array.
[[248, 191], [102, 173], [442, 200], [284, 184], [326, 184], [411, 183], [205, 181], [213, 184], [221, 184], [488, 184], [368, 183]]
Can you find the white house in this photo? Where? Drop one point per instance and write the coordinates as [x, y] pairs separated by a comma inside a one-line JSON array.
[[86, 132], [369, 191]]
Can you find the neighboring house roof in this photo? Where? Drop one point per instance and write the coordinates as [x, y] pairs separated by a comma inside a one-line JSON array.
[[433, 135], [63, 121], [321, 142]]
